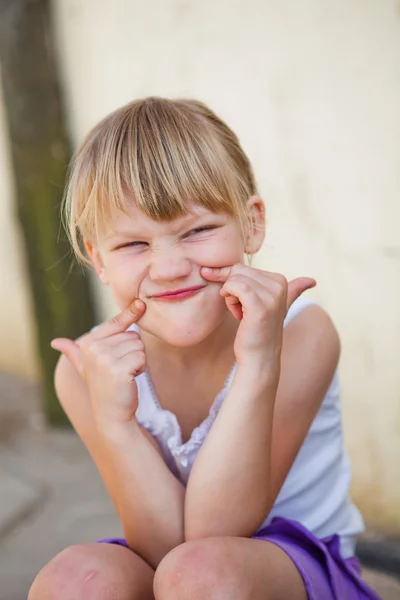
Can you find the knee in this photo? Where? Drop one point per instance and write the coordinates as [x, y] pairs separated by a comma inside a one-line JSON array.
[[199, 569], [76, 572]]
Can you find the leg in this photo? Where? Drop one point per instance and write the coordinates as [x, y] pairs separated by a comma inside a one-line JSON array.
[[94, 572], [228, 568]]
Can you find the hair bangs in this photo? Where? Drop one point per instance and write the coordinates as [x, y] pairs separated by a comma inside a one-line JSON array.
[[165, 161], [161, 155]]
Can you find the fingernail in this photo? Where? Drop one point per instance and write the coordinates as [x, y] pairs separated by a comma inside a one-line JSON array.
[[207, 270], [136, 306]]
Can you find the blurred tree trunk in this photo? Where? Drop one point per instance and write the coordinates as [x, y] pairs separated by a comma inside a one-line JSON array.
[[40, 155]]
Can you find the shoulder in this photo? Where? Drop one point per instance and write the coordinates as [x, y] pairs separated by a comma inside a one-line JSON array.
[[310, 355], [308, 322], [73, 396], [71, 391], [298, 307], [311, 351]]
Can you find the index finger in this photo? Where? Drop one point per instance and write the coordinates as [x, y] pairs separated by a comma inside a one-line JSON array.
[[121, 321], [216, 273]]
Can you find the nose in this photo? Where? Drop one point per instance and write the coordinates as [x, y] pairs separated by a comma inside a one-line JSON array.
[[169, 264]]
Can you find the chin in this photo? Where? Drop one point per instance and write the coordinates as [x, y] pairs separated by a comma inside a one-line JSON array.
[[182, 334]]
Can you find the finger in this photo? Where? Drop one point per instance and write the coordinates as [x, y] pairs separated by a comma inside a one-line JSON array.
[[264, 277], [121, 338], [122, 321], [71, 350], [239, 284], [223, 273], [220, 274], [128, 347], [242, 295], [234, 306], [132, 365], [297, 287]]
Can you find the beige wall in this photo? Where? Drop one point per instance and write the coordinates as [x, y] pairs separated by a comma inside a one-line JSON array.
[[313, 90]]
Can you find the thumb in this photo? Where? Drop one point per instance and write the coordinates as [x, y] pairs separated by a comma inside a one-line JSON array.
[[71, 350], [296, 287]]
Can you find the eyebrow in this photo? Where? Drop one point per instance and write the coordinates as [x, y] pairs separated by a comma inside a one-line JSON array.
[[122, 232], [186, 222]]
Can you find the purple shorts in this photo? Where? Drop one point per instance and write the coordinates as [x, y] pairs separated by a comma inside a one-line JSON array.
[[326, 575]]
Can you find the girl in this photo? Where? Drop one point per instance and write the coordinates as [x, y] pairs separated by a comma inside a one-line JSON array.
[[210, 403]]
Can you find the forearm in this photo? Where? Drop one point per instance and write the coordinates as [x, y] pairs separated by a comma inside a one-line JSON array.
[[228, 490], [148, 498]]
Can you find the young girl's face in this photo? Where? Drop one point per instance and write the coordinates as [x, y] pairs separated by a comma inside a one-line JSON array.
[[160, 263]]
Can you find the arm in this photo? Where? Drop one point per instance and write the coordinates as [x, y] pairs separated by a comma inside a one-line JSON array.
[[95, 381], [258, 432], [148, 498], [228, 491]]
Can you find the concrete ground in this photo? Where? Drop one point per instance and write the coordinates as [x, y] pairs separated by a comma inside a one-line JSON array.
[[51, 495]]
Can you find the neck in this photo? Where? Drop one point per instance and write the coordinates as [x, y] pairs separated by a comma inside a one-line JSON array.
[[216, 346]]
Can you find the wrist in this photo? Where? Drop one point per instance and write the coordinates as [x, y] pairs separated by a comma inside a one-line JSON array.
[[118, 433], [258, 376]]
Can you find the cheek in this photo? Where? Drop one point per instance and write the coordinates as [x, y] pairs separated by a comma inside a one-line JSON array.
[[125, 278], [219, 252]]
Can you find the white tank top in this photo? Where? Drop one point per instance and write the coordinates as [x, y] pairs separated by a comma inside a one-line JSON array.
[[316, 490]]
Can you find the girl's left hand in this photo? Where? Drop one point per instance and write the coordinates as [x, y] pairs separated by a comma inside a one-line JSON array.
[[260, 300]]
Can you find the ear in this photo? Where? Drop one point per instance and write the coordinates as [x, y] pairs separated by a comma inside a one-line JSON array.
[[255, 233], [96, 260]]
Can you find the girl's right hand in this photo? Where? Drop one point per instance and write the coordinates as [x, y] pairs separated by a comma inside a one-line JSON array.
[[108, 359]]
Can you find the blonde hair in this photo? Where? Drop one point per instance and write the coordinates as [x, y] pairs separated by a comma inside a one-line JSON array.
[[162, 153]]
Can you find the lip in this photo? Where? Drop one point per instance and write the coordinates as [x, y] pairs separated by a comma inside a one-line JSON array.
[[178, 294]]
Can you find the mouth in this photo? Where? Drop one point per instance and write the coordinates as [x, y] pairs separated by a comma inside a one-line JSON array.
[[178, 294]]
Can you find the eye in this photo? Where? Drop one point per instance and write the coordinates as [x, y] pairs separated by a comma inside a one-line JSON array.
[[201, 230], [131, 245]]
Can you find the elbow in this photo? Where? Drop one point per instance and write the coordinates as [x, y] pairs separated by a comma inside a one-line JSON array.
[[195, 532], [200, 526], [201, 530], [191, 529], [237, 523], [153, 552]]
